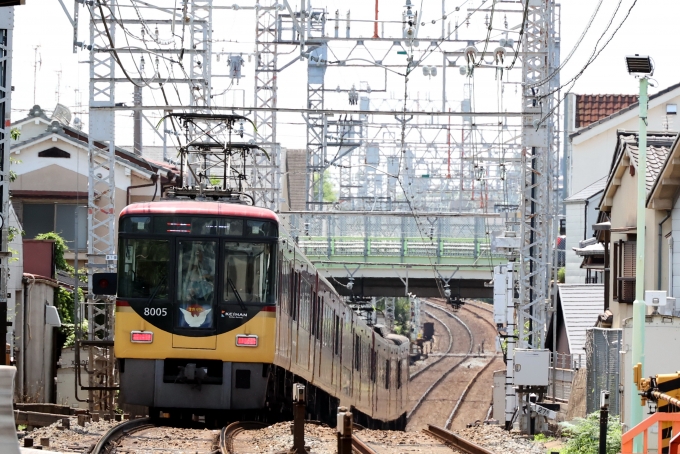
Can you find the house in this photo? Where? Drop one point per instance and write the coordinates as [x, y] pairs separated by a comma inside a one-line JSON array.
[[50, 192], [582, 212], [578, 308], [662, 225], [595, 120], [617, 202]]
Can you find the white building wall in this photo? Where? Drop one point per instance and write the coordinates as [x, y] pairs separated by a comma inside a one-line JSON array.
[[575, 222], [591, 152], [675, 220]]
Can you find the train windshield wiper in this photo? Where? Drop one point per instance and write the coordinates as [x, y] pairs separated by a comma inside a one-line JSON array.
[[163, 284], [236, 294]]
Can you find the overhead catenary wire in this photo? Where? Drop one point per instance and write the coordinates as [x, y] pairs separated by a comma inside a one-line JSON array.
[[595, 55]]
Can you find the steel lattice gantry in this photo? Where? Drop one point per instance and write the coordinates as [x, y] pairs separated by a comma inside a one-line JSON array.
[[263, 173], [539, 135], [101, 245], [6, 31], [102, 207]]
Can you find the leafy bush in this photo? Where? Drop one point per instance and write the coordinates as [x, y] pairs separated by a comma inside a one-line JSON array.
[[59, 248], [69, 330], [560, 275], [584, 435]]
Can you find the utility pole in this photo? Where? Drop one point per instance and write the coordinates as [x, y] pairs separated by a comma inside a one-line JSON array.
[[6, 30], [36, 62], [641, 67]]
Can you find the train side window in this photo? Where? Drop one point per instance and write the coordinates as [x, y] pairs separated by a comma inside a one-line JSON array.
[[357, 352], [320, 318], [294, 298], [387, 374], [336, 340], [373, 365], [399, 374], [314, 314], [305, 303]]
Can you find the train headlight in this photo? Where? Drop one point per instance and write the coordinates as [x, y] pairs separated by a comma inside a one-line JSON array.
[[243, 340], [141, 337]]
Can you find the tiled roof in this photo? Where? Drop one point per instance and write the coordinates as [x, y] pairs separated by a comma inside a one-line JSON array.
[[589, 191], [657, 152], [659, 145], [581, 304], [591, 108], [623, 110]]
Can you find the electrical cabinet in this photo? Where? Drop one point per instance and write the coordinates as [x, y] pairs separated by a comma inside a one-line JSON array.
[[531, 367]]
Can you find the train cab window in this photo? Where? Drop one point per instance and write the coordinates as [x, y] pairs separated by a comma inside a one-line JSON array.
[[136, 224], [143, 270], [195, 283], [247, 272], [260, 228]]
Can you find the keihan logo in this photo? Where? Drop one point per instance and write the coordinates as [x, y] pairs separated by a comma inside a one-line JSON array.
[[234, 314]]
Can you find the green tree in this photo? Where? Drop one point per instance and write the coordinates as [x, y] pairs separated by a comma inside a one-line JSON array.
[[329, 193]]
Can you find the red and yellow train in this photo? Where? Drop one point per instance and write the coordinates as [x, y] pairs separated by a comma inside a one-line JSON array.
[[219, 311]]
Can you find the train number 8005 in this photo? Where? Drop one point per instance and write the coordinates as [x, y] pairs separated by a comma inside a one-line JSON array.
[[155, 311]]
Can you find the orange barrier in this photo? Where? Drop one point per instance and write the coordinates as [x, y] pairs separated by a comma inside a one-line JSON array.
[[643, 427]]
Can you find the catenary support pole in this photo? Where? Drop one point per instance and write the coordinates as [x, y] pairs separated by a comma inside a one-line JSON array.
[[638, 348]]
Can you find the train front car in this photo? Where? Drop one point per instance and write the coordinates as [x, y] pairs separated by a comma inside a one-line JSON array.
[[195, 311]]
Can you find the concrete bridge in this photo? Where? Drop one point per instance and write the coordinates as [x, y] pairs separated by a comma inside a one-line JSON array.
[[392, 254]]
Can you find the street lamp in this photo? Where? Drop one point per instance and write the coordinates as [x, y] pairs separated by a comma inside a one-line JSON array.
[[641, 67]]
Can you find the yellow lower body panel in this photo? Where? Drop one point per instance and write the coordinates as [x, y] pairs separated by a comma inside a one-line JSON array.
[[221, 347], [202, 343]]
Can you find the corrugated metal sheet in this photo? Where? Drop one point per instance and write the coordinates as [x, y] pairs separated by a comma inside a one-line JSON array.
[[580, 305], [589, 191]]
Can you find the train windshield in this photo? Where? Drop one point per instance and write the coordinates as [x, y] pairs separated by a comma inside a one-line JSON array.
[[144, 269], [196, 283], [247, 272]]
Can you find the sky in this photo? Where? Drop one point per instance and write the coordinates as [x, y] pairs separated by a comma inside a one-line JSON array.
[[60, 74]]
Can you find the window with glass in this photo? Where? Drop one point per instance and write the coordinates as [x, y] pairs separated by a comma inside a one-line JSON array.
[[195, 283], [143, 270], [247, 272], [198, 225], [62, 218]]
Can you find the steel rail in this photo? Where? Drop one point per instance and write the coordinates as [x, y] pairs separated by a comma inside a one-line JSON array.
[[228, 433], [361, 447], [448, 372], [418, 372], [455, 441], [451, 314], [106, 442], [459, 402]]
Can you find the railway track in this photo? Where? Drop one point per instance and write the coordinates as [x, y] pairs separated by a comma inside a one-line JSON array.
[[448, 350], [140, 436], [467, 369], [445, 366]]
